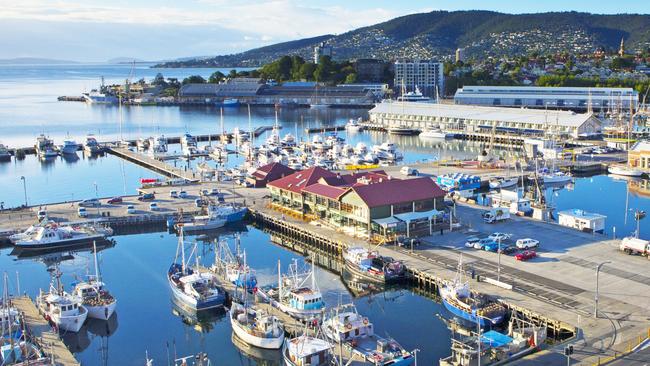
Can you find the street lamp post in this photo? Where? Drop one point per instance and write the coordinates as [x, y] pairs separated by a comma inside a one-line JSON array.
[[596, 296], [22, 177], [499, 260], [638, 216]]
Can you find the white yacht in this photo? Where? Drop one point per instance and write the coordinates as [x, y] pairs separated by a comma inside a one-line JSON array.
[[69, 147], [435, 133], [353, 126], [91, 145], [414, 96], [387, 151], [503, 182], [188, 144], [66, 311], [556, 177], [255, 327], [288, 140], [45, 147], [53, 235], [625, 171]]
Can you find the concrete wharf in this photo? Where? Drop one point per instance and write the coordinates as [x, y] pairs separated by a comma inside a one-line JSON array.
[[325, 129], [47, 339], [154, 164]]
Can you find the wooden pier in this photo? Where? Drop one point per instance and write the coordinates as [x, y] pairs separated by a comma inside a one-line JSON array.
[[154, 164], [47, 339]]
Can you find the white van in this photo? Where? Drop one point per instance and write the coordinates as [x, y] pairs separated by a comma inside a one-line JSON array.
[[81, 212], [409, 171], [527, 243]]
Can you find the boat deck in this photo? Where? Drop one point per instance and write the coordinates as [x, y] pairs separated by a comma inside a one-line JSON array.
[[48, 339]]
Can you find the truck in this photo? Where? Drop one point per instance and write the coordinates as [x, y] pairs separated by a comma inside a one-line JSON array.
[[496, 214], [632, 245]]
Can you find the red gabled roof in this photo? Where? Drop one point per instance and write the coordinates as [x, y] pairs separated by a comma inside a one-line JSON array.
[[272, 171], [326, 190], [297, 181], [394, 191]]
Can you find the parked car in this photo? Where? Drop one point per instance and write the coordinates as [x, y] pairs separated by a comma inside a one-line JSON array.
[[525, 255], [153, 206], [182, 194], [130, 209], [507, 249], [81, 212], [198, 202], [147, 197], [482, 243], [214, 192], [527, 243], [469, 242], [90, 202], [114, 200], [205, 192], [499, 236], [42, 214], [408, 171], [491, 247], [173, 194]]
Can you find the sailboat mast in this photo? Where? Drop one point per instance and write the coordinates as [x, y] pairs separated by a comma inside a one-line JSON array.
[[279, 278], [313, 272], [182, 244]]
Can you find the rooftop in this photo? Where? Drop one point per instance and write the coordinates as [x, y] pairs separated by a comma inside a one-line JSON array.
[[470, 112], [394, 191]]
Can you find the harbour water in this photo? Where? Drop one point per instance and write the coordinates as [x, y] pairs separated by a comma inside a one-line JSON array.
[[147, 320], [134, 269]]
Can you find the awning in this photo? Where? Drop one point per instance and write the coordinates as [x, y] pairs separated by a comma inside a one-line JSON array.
[[387, 222], [412, 216]]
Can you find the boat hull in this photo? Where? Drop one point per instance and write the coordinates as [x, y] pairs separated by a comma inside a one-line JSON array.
[[266, 343], [102, 312], [369, 276], [193, 303], [484, 322], [625, 171], [58, 244]]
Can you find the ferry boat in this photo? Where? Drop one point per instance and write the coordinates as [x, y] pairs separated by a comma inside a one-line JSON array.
[[96, 97], [307, 350], [192, 287], [296, 294], [255, 327], [99, 301], [503, 182], [353, 126], [66, 311], [373, 267], [91, 145], [45, 147], [52, 235], [4, 153], [473, 307], [625, 171], [435, 133], [345, 325]]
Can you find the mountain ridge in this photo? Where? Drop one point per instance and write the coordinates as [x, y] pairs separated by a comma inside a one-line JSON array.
[[438, 34]]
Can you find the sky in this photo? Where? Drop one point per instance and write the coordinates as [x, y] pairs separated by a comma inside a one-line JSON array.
[[98, 30]]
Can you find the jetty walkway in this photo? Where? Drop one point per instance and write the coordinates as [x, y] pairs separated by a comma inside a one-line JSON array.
[[49, 340], [154, 164]]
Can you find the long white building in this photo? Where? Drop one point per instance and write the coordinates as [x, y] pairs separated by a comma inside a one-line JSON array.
[[470, 119], [573, 98]]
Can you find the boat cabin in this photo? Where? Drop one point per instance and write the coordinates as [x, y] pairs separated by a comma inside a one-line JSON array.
[[306, 351], [305, 298]]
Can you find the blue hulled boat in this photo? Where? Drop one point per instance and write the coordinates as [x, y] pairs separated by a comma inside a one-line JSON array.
[[465, 304]]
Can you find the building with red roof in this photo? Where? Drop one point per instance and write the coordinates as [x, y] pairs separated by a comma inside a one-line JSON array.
[[370, 201], [268, 173]]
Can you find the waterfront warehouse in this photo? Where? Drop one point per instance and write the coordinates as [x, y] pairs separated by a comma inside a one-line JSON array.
[[476, 119]]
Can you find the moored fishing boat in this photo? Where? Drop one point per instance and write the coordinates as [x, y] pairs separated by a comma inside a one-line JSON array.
[[229, 211], [503, 182], [193, 287], [307, 350], [66, 311], [346, 326], [296, 294], [99, 301], [255, 327], [465, 304], [91, 145], [371, 266], [233, 267]]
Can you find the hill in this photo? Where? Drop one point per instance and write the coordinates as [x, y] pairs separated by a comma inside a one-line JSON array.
[[34, 61], [439, 33]]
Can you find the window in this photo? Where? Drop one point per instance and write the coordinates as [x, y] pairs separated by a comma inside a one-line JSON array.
[[496, 101], [517, 101]]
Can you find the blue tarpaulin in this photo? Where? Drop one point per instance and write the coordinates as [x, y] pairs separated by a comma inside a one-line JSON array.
[[495, 339]]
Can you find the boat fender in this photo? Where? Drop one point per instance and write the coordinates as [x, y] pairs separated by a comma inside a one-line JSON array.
[[348, 326], [365, 321]]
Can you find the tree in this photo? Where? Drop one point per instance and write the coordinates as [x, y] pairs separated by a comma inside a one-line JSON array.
[[194, 79], [216, 77], [232, 74], [158, 80], [307, 71], [351, 78]]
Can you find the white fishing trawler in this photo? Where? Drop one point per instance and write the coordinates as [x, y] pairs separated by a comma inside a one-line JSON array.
[[256, 327], [66, 311], [53, 235]]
